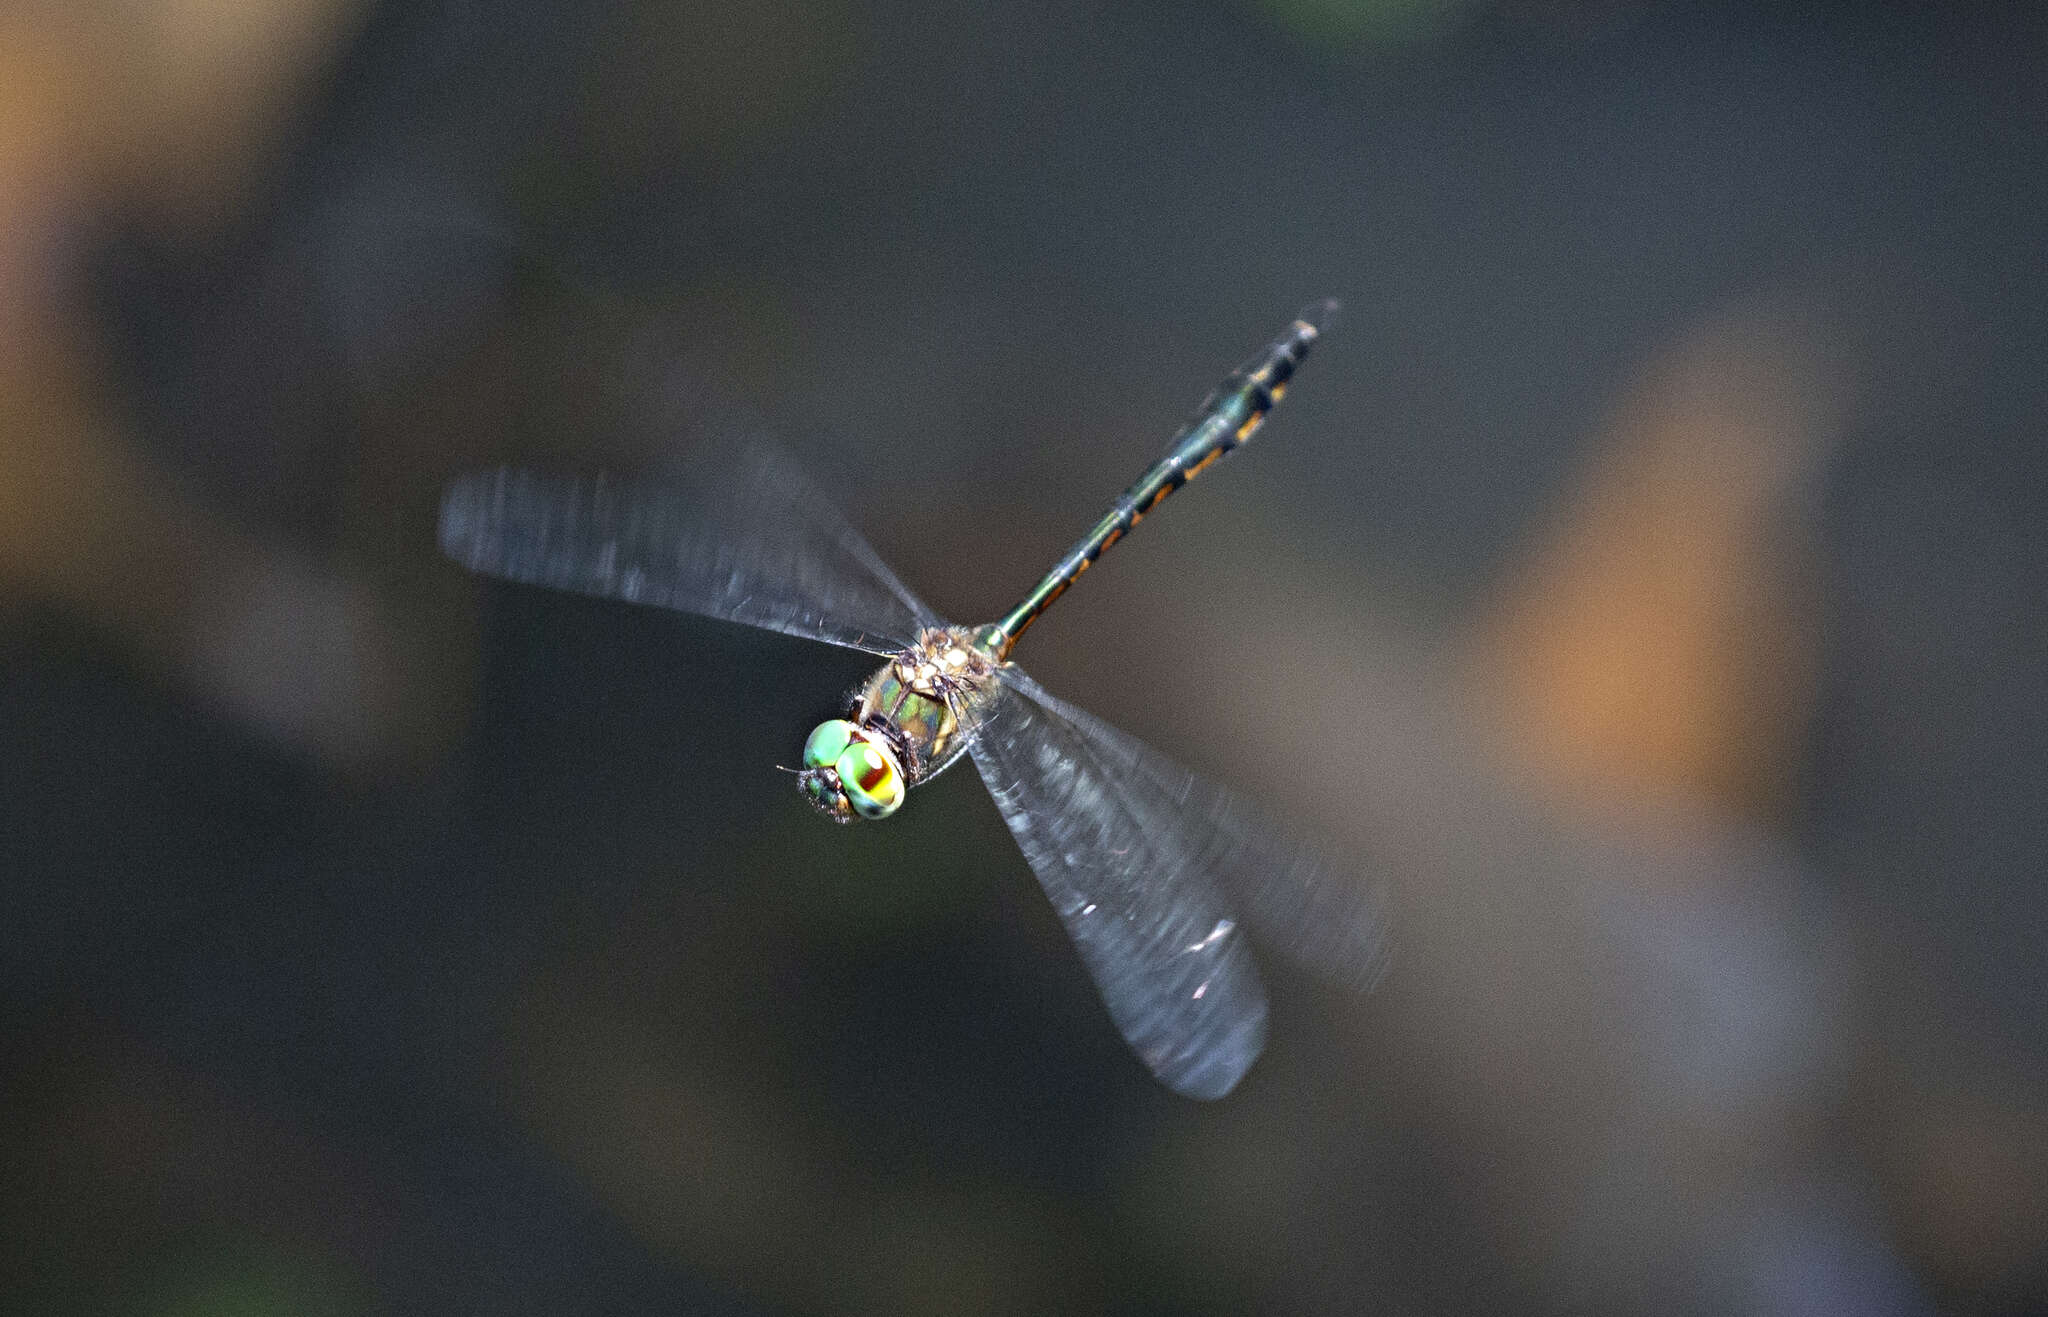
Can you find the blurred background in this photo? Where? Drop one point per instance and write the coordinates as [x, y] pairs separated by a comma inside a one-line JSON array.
[[1647, 585]]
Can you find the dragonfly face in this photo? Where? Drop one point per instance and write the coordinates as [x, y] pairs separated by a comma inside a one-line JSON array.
[[849, 773]]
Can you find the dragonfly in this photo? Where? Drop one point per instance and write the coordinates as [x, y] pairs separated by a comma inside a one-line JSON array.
[[1155, 873]]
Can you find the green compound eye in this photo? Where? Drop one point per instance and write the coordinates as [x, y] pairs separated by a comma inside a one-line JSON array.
[[828, 742], [869, 780]]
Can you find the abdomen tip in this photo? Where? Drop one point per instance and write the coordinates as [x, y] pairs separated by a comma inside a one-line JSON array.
[[1322, 316]]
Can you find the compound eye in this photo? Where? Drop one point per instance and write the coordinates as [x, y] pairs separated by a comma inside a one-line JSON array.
[[827, 742], [868, 776]]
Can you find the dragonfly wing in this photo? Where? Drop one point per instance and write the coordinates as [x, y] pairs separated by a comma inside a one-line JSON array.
[[1132, 874], [1295, 895], [746, 538]]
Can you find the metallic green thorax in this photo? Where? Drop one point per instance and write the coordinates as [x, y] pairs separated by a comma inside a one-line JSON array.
[[921, 718], [926, 699], [1228, 418]]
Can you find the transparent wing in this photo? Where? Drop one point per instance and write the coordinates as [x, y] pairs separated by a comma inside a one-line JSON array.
[[744, 537], [1297, 897], [1133, 874], [1149, 865]]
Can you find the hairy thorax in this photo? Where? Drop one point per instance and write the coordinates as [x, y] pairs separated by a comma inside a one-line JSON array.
[[926, 700]]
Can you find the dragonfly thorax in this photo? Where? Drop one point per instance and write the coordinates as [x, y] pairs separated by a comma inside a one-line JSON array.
[[907, 723]]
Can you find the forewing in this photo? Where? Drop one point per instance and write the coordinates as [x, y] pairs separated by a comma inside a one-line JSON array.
[[1327, 912], [1133, 875], [743, 536]]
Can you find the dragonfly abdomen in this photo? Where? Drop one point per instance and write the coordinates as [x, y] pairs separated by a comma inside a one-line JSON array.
[[1226, 419]]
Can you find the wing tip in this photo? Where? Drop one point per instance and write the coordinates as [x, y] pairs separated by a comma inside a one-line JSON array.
[[467, 515], [455, 530], [1211, 1070]]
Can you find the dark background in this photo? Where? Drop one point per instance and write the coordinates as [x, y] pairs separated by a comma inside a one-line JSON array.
[[1646, 584]]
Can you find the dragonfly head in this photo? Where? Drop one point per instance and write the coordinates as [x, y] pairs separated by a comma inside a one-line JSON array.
[[850, 774]]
